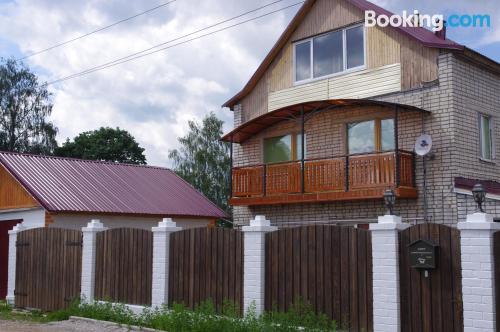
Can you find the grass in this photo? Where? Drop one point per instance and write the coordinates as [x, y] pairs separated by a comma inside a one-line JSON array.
[[179, 318]]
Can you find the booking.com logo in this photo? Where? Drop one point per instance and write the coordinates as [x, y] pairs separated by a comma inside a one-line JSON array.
[[434, 22]]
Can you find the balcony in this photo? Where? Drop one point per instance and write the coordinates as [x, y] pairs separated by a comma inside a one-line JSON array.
[[345, 178]]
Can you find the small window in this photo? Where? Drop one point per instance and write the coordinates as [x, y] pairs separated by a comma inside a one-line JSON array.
[[303, 61], [355, 47], [361, 137], [370, 136], [486, 137], [283, 148], [330, 53], [328, 58]]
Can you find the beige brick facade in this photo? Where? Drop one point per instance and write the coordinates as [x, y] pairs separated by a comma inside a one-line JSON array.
[[462, 91]]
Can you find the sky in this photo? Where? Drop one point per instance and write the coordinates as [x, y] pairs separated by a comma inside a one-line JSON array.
[[154, 97]]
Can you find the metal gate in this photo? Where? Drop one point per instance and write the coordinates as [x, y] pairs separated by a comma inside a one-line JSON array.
[[48, 268], [431, 301]]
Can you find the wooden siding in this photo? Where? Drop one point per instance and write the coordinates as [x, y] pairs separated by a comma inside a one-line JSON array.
[[384, 47], [12, 193]]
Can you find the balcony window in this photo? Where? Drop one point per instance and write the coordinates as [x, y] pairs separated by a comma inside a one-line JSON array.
[[283, 148], [329, 54], [486, 137], [370, 136]]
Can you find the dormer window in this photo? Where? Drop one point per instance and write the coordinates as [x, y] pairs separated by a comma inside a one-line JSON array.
[[329, 54]]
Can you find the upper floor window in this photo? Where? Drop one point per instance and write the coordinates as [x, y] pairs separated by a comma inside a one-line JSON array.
[[283, 148], [330, 53], [486, 136], [370, 136]]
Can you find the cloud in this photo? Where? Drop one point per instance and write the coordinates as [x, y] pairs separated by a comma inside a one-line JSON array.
[[153, 97]]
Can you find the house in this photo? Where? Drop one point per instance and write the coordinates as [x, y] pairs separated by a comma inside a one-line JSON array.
[[330, 118], [42, 191]]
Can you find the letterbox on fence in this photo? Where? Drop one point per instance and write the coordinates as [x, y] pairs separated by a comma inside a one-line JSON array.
[[423, 254]]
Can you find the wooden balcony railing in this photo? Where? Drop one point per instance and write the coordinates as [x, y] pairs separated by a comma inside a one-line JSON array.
[[348, 174]]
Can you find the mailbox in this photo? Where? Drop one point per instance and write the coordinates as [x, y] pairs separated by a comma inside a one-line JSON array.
[[423, 254]]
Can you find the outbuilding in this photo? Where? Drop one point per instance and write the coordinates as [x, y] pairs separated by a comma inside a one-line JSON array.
[[43, 191]]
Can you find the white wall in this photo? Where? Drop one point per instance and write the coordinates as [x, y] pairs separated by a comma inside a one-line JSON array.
[[77, 221], [32, 218]]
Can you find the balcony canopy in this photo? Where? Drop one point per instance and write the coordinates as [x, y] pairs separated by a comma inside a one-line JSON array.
[[254, 126]]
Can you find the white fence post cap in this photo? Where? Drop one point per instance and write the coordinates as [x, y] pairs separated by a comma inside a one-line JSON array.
[[167, 222], [17, 228], [260, 221], [389, 219], [480, 217], [94, 224]]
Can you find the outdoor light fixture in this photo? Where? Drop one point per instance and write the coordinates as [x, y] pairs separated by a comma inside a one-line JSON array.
[[389, 200], [479, 195]]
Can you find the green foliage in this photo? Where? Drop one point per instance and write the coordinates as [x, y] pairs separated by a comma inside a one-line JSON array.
[[106, 144], [25, 106], [300, 314], [178, 318], [203, 160]]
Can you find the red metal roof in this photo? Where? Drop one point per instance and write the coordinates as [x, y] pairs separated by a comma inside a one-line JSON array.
[[75, 185], [256, 125], [491, 186]]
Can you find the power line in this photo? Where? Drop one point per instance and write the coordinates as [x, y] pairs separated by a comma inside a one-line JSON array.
[[95, 31], [143, 53]]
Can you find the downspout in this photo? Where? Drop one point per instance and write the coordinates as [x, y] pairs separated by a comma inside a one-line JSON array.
[[302, 148]]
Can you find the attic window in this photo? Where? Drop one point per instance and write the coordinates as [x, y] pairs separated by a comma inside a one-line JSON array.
[[329, 54]]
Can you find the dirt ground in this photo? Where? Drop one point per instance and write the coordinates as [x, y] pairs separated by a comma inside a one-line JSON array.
[[71, 325]]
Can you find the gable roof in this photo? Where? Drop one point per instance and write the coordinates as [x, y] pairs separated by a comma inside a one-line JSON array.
[[75, 185], [420, 34]]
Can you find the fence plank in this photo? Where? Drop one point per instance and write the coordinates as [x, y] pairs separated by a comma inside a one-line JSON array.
[[322, 266], [432, 303], [217, 276], [124, 266], [48, 268]]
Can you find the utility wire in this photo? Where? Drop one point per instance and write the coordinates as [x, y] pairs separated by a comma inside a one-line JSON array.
[[143, 53], [95, 31]]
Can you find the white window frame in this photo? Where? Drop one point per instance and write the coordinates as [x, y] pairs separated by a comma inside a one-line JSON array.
[[344, 71], [492, 137]]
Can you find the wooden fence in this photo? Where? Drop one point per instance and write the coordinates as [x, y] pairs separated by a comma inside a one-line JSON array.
[[432, 303], [48, 268], [124, 266], [206, 263], [329, 267]]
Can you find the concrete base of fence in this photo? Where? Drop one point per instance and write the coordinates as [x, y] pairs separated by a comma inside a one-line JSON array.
[[161, 249], [254, 258], [88, 258], [11, 278], [478, 278], [385, 258]]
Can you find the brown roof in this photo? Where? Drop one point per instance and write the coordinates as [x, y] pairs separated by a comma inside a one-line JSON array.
[[75, 185], [420, 34]]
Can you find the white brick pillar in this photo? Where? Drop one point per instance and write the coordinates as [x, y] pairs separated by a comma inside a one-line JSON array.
[[161, 258], [89, 257], [254, 263], [11, 279], [478, 271], [385, 258]]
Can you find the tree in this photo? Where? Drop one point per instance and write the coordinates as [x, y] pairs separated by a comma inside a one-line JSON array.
[[203, 160], [106, 144], [25, 105]]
